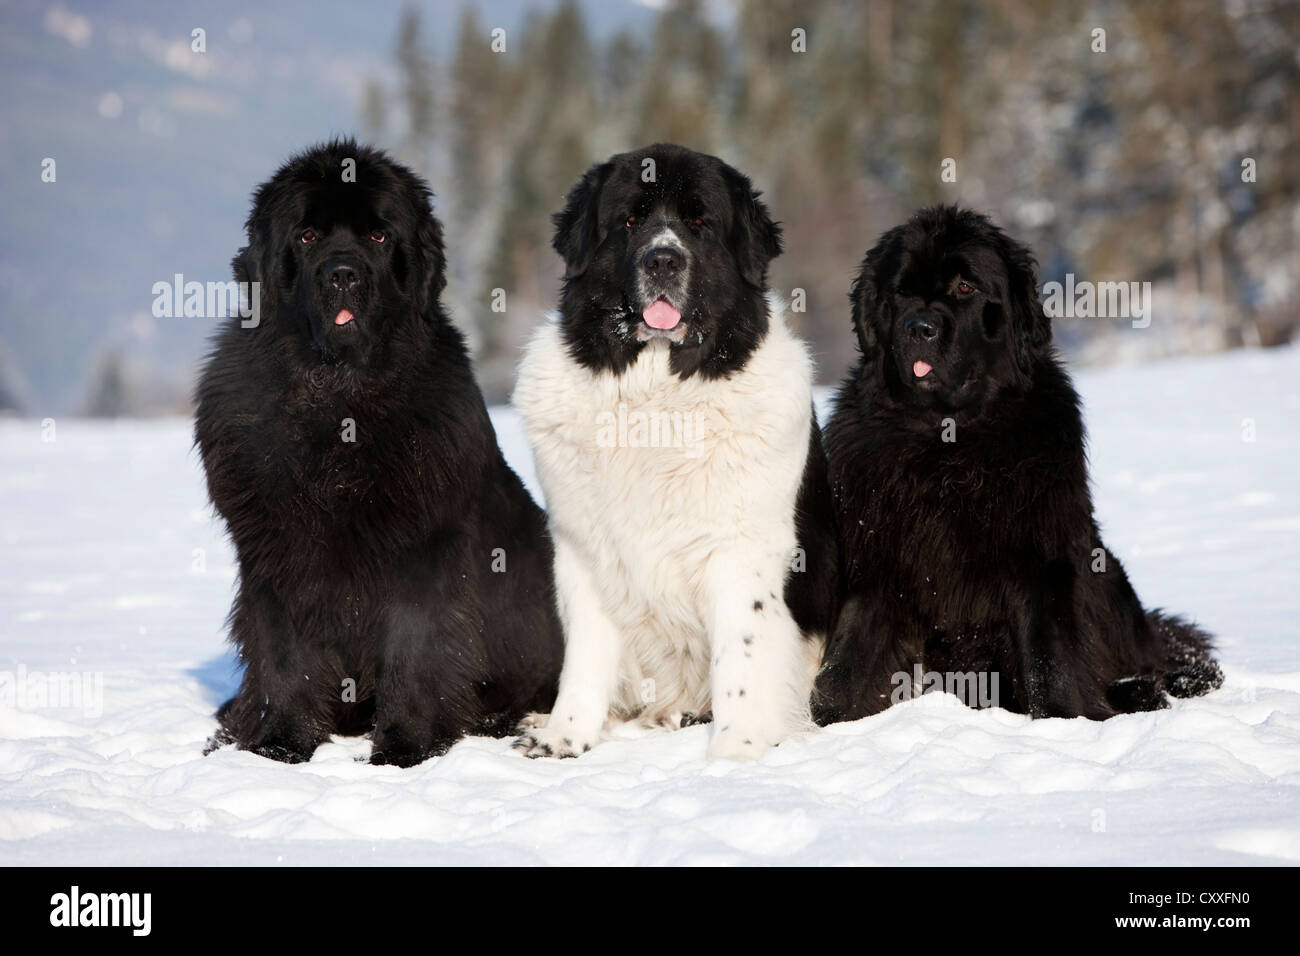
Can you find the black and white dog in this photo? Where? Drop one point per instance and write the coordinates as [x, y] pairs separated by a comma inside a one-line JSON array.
[[670, 412]]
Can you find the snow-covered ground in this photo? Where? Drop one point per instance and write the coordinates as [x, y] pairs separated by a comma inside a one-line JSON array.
[[112, 567]]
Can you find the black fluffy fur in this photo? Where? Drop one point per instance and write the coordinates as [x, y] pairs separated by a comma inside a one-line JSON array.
[[979, 554], [729, 239], [369, 561]]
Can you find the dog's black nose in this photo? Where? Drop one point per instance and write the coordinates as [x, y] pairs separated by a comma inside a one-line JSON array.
[[662, 262], [921, 327], [340, 274]]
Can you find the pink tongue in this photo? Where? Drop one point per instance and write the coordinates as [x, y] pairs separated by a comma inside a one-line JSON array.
[[344, 317], [661, 315], [921, 369]]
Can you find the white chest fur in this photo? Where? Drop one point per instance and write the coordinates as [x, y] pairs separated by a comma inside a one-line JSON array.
[[672, 505]]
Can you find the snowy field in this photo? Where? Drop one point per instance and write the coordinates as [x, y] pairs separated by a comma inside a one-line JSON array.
[[112, 567]]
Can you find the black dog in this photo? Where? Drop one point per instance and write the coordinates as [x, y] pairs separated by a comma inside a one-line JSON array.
[[960, 483], [394, 574]]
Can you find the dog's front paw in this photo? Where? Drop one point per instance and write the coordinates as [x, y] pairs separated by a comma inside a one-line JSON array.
[[393, 745], [282, 753], [733, 744], [286, 739], [677, 720], [222, 738], [546, 741], [531, 722]]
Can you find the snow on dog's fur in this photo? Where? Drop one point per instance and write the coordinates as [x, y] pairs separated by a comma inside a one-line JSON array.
[[696, 570]]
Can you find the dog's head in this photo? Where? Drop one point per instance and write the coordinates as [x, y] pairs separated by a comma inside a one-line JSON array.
[[345, 249], [668, 245], [946, 308]]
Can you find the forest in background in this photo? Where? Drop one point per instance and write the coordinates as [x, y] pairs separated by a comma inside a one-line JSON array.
[[1116, 164], [1138, 141]]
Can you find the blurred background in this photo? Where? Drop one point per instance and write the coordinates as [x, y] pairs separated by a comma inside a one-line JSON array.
[[1123, 163]]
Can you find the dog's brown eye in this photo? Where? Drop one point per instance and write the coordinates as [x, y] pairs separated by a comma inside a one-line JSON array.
[[631, 221], [965, 288], [309, 235], [699, 223], [377, 235]]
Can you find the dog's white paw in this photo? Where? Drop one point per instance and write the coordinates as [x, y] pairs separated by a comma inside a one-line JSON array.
[[737, 744], [547, 741], [531, 722]]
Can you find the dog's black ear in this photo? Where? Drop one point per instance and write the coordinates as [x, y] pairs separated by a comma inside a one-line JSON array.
[[254, 267], [263, 261], [871, 293], [862, 297], [577, 228], [430, 276], [755, 238], [248, 274], [1031, 329], [245, 266]]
